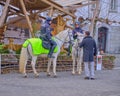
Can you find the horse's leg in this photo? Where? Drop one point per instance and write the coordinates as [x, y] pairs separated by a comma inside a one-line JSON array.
[[24, 70], [54, 67], [48, 67], [79, 63], [79, 68], [73, 71], [34, 58]]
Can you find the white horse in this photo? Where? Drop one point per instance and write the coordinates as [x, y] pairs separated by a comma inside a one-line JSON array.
[[25, 52], [77, 54]]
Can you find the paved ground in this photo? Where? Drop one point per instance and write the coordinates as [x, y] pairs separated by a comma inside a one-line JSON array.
[[107, 83]]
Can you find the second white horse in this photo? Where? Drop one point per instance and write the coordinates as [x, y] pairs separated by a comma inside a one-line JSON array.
[[77, 55]]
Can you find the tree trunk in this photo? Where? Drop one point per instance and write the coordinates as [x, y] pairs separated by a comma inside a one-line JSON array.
[[96, 14], [5, 10]]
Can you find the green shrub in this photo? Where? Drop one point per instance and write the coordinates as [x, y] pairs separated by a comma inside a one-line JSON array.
[[18, 51], [2, 50]]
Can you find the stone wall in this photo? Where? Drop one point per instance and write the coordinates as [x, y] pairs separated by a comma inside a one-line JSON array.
[[117, 60], [114, 39]]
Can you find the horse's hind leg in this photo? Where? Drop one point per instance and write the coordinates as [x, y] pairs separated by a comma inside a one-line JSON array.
[[54, 67], [24, 71], [33, 65], [48, 67]]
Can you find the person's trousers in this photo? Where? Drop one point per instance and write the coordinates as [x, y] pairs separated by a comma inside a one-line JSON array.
[[89, 69], [53, 45]]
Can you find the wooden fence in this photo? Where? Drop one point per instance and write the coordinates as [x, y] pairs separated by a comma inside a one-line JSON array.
[[10, 63]]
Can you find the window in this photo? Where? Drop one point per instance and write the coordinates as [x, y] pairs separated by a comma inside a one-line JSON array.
[[113, 5]]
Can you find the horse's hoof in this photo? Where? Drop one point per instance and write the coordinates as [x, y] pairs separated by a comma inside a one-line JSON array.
[[79, 73], [55, 76], [36, 75], [48, 74], [73, 73], [25, 76]]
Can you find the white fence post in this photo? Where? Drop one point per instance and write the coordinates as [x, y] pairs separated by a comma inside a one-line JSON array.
[[99, 62]]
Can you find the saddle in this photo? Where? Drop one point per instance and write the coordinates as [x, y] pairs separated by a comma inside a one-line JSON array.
[[37, 46]]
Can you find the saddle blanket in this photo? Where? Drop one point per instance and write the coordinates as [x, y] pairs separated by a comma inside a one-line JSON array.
[[37, 47]]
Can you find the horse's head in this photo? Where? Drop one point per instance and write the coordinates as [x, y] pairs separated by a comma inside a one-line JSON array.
[[78, 40], [62, 36], [69, 38], [80, 37]]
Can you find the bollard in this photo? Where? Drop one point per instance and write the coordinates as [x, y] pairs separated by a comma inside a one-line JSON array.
[[99, 62]]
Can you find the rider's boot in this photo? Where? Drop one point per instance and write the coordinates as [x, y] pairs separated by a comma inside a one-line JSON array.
[[69, 51], [51, 52]]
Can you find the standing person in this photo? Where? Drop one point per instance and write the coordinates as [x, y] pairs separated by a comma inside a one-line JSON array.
[[89, 51], [46, 36]]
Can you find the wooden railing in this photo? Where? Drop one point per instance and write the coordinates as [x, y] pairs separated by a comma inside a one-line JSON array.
[[10, 63]]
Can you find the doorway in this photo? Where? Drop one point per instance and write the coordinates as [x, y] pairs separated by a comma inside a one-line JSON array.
[[102, 37]]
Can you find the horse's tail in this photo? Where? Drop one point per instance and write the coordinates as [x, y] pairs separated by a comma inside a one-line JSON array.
[[23, 59]]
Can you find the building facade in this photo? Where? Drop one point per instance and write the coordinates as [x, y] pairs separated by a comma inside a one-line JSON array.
[[107, 31], [107, 34]]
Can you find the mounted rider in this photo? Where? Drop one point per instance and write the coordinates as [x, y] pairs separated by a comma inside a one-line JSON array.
[[77, 29], [46, 36]]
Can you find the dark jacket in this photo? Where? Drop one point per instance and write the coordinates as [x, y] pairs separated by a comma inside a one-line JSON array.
[[46, 32], [46, 36], [89, 49], [75, 31]]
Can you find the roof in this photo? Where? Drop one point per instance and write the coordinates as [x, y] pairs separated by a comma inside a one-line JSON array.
[[37, 5], [69, 2], [32, 5]]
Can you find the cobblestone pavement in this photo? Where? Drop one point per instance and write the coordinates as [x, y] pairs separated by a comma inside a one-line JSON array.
[[107, 83]]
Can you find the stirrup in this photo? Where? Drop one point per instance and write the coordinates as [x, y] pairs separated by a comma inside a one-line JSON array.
[[50, 56]]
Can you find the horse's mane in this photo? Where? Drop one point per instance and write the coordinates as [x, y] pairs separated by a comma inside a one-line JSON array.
[[62, 34]]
